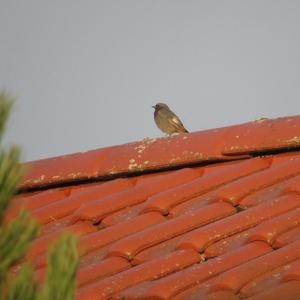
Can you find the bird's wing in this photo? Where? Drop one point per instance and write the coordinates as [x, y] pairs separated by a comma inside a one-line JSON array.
[[173, 120]]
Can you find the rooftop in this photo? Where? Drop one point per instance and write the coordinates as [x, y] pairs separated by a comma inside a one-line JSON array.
[[212, 214]]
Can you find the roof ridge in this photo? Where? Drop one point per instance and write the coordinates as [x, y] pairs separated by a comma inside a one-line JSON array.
[[260, 137]]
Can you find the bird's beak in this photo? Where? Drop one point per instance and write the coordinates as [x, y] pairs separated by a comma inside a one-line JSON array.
[[153, 107]]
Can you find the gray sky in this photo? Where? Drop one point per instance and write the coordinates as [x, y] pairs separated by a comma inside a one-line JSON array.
[[86, 73]]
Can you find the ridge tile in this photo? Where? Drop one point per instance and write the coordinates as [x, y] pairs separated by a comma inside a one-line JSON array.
[[67, 168], [263, 135]]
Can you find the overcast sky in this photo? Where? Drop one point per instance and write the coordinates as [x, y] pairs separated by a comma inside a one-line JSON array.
[[85, 73]]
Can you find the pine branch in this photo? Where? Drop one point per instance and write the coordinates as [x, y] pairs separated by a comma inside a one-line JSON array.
[[22, 286], [6, 103], [62, 266], [10, 175], [15, 238]]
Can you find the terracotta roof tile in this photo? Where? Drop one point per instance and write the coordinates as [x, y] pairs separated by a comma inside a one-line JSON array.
[[132, 245], [157, 250], [195, 295], [41, 244], [200, 238], [63, 169], [271, 279], [123, 215], [204, 184], [263, 134], [169, 286], [287, 238], [36, 201], [207, 215], [236, 278], [293, 272], [68, 205], [94, 256], [269, 230], [148, 271], [259, 284], [268, 193], [104, 268], [55, 225], [288, 289], [239, 189], [113, 233], [222, 295], [96, 210], [227, 244]]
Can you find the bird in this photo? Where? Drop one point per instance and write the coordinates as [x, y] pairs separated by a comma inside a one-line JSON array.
[[167, 121]]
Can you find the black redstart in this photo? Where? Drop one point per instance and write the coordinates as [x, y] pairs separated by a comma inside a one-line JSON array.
[[166, 120]]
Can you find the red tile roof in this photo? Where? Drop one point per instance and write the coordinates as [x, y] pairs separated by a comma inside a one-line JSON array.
[[207, 215]]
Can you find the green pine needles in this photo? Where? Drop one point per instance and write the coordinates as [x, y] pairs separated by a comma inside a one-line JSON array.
[[16, 236]]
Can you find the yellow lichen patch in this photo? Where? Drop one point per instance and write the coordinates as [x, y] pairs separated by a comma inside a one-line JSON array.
[[295, 140], [132, 164], [149, 141], [191, 154], [235, 148], [140, 148], [39, 179], [52, 218], [261, 120], [112, 172], [143, 145], [175, 159], [199, 155], [73, 175]]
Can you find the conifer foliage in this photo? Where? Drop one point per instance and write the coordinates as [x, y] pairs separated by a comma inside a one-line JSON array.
[[16, 236]]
